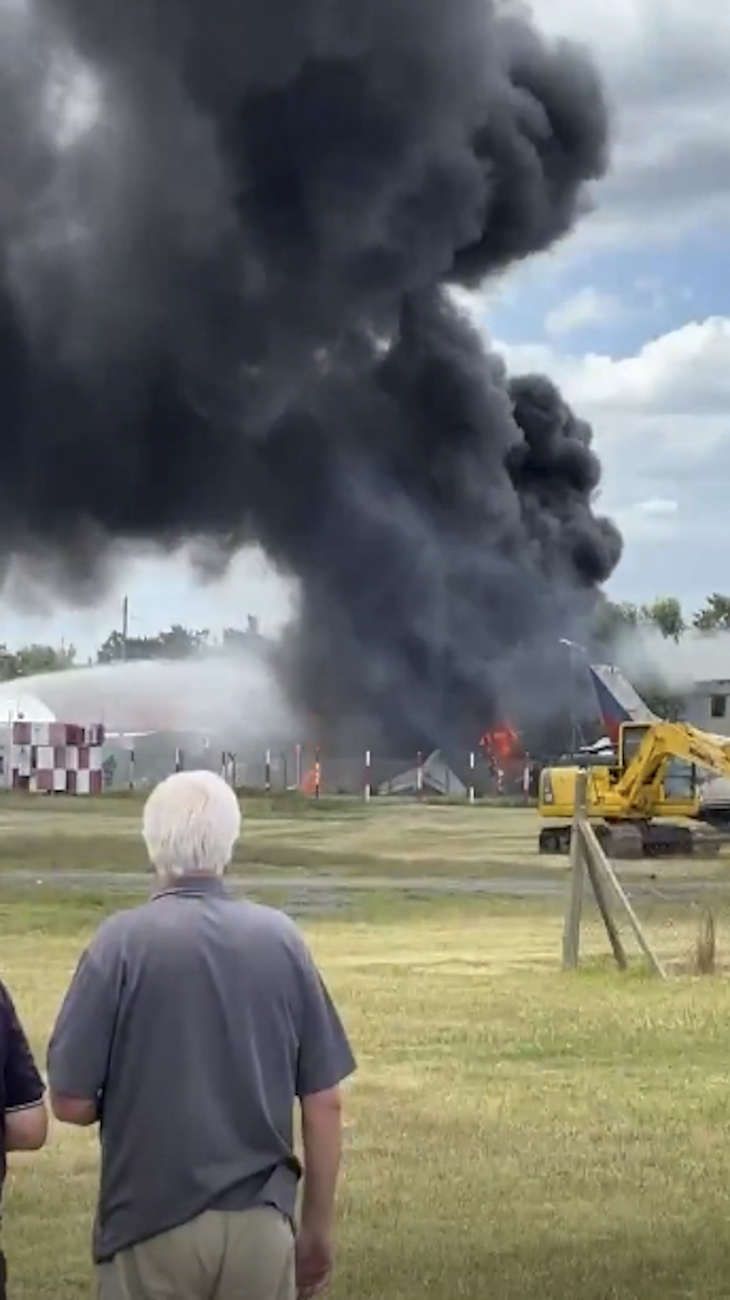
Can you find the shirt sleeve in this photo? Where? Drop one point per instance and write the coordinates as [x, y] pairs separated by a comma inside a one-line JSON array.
[[78, 1053], [325, 1056], [24, 1087]]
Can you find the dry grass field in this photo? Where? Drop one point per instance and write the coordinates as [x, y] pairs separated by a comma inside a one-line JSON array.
[[513, 1132]]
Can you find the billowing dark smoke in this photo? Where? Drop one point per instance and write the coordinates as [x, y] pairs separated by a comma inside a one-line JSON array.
[[228, 231]]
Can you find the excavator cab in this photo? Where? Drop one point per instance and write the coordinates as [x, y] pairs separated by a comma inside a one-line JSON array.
[[631, 735], [679, 783]]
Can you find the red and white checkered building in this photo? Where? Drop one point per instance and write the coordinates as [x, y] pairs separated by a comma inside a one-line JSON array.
[[56, 758]]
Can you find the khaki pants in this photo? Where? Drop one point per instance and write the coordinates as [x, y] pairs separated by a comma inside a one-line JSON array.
[[219, 1256]]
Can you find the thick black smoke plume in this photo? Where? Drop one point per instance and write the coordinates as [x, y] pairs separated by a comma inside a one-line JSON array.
[[227, 235]]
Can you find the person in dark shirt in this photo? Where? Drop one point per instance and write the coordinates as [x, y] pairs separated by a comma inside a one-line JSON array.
[[23, 1116]]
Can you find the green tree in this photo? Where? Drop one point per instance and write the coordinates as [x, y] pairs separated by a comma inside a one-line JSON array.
[[112, 650], [665, 613], [181, 642], [177, 643], [32, 659], [8, 668], [614, 618], [715, 616]]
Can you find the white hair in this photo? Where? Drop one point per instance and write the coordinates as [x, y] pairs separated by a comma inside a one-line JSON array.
[[191, 824]]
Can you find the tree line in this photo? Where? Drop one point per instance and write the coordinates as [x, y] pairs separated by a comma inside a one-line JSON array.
[[177, 642], [666, 615]]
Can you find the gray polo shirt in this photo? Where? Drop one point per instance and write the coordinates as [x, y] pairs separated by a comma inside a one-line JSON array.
[[196, 1021]]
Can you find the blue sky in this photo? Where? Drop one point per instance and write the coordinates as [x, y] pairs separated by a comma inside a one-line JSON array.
[[647, 292], [630, 315]]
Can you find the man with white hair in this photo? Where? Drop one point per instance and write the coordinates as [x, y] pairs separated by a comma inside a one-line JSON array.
[[192, 1025]]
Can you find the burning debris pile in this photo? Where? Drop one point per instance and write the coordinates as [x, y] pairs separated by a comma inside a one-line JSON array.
[[228, 232]]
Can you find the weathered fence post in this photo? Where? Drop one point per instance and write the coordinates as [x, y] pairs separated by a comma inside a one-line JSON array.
[[603, 907], [602, 863], [571, 932]]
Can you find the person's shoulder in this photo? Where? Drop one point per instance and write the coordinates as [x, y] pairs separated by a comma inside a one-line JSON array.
[[270, 923], [261, 916], [114, 931]]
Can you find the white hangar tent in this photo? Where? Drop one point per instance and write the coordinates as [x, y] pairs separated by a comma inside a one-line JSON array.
[[16, 706], [436, 775]]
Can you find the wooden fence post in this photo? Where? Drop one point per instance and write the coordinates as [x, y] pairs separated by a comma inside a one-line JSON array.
[[571, 933], [603, 907], [600, 859]]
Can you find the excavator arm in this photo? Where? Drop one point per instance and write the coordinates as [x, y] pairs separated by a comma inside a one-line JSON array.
[[662, 742], [636, 805]]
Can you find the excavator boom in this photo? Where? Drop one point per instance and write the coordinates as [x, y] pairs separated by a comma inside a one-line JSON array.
[[662, 742]]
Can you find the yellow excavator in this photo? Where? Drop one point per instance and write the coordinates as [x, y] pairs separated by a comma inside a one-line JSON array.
[[654, 778]]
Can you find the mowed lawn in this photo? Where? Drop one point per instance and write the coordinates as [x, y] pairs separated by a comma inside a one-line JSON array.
[[293, 836], [512, 1132]]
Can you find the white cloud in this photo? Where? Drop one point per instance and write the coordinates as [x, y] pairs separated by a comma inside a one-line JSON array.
[[684, 372], [477, 303], [657, 507], [661, 420], [584, 308], [664, 63]]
